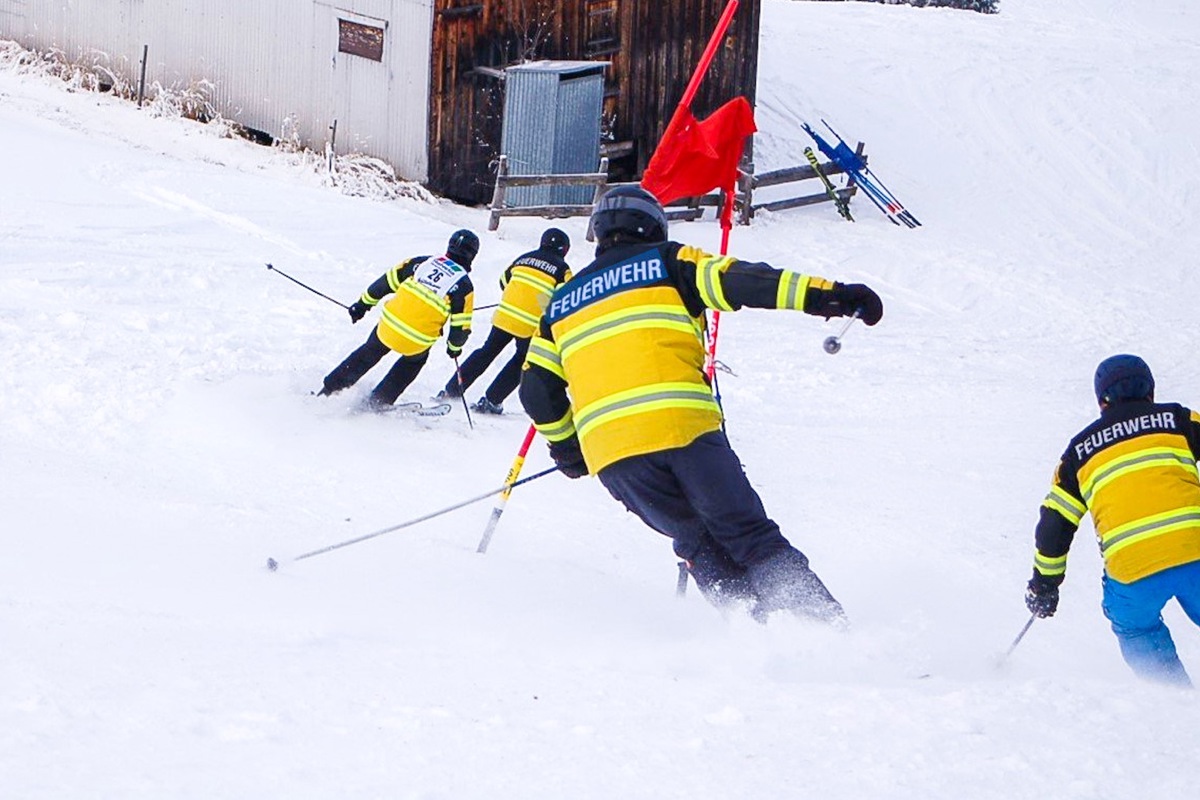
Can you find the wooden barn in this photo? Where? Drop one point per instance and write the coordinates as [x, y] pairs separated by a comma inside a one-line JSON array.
[[417, 83]]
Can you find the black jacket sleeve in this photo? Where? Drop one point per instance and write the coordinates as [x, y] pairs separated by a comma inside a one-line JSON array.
[[390, 281]]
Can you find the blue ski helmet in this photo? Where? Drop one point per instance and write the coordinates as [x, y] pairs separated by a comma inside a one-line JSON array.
[[1123, 377], [631, 211]]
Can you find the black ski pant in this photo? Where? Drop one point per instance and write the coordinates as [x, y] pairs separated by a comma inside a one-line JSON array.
[[699, 496], [360, 362], [477, 363]]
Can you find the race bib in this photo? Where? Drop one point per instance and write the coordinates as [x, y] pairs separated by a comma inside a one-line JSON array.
[[439, 275]]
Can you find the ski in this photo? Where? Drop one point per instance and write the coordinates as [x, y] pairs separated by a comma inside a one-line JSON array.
[[418, 409], [843, 206], [867, 170], [894, 204], [858, 172]]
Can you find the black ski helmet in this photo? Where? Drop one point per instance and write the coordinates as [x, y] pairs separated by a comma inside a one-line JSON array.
[[556, 241], [1123, 377], [631, 211], [462, 247]]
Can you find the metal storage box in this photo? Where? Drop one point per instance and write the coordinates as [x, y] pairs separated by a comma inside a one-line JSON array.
[[552, 127]]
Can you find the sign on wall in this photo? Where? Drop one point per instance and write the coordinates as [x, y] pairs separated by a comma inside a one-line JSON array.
[[358, 39]]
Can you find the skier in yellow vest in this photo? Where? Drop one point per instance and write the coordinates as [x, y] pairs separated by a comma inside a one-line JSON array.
[[428, 292], [527, 284], [615, 381], [1134, 469]]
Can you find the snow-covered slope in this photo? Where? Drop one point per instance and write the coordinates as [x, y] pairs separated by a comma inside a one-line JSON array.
[[158, 442]]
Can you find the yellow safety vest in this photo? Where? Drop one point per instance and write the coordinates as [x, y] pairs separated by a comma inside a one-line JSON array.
[[1137, 475], [525, 297], [415, 315], [633, 357]]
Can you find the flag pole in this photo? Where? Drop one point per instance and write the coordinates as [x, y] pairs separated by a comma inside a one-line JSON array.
[[706, 59], [710, 52], [710, 365], [689, 94]]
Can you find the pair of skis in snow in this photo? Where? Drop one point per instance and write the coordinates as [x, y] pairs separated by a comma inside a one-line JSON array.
[[415, 409], [853, 165]]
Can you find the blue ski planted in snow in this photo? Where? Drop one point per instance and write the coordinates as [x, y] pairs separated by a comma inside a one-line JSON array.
[[858, 171]]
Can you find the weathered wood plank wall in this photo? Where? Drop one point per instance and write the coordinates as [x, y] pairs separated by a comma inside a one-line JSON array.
[[652, 46]]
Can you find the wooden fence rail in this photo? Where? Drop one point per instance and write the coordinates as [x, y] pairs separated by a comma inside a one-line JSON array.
[[804, 172], [688, 209], [504, 182]]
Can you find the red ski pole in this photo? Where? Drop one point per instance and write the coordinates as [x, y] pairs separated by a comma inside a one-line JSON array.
[[513, 473]]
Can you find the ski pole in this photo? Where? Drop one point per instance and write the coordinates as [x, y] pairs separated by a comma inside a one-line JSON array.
[[306, 286], [881, 201], [911, 221], [834, 343], [462, 392], [273, 565], [509, 483], [1017, 640], [710, 358]]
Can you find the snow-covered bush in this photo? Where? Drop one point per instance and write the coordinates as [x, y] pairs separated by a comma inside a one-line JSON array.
[[95, 71], [353, 173], [90, 71]]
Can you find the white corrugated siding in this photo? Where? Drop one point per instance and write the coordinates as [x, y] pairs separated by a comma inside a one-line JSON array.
[[269, 59]]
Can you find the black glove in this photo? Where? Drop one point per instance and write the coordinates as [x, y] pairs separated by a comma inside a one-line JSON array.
[[358, 309], [1041, 596], [569, 458], [851, 297], [453, 350]]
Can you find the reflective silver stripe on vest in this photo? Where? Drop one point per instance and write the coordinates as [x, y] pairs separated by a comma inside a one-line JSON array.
[[1190, 516], [700, 393]]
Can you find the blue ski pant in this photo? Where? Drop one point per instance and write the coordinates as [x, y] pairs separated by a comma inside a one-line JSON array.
[[1135, 611]]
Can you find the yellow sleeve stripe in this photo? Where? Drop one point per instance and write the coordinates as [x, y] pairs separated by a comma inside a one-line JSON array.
[[1069, 507], [708, 281], [1049, 565], [560, 429], [792, 288], [543, 353], [368, 300], [393, 275]]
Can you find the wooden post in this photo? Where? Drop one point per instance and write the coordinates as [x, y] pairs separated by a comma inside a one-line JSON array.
[[601, 188], [142, 80], [498, 194], [746, 184]]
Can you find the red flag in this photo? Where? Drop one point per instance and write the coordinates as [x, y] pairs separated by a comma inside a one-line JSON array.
[[694, 157]]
